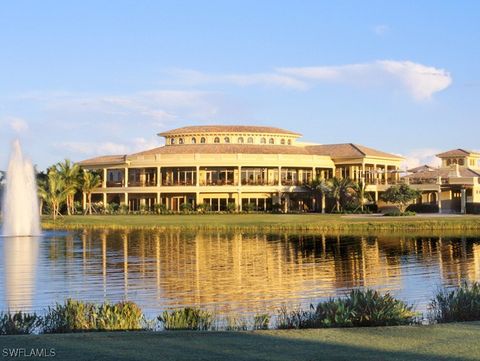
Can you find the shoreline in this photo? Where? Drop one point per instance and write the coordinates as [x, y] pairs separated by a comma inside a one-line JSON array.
[[269, 222]]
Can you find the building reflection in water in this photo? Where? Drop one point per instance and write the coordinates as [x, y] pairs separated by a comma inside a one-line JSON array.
[[242, 272], [19, 269]]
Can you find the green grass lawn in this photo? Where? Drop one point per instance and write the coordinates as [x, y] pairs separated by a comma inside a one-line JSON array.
[[457, 341], [317, 222]]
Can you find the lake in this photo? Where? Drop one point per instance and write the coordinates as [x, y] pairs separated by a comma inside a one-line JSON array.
[[238, 273]]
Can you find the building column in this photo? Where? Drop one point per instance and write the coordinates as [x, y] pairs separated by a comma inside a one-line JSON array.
[[439, 199], [84, 201], [279, 176], [239, 195], [104, 199], [197, 178], [323, 203], [375, 174], [159, 177], [463, 201], [126, 200], [104, 180], [125, 175], [239, 183], [159, 197], [386, 174]]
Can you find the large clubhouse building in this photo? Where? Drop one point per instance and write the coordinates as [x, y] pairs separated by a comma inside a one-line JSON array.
[[258, 167]]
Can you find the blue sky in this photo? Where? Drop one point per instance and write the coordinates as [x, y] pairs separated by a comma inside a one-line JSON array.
[[79, 79]]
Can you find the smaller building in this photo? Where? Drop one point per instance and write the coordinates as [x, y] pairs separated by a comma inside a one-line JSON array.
[[454, 186]]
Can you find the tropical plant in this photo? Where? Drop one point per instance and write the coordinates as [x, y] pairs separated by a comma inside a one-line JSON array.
[[74, 316], [187, 319], [460, 304], [53, 191], [400, 195], [18, 323], [340, 189], [90, 181], [71, 175], [360, 189]]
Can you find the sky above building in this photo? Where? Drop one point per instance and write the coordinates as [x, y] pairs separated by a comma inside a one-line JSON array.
[[80, 79]]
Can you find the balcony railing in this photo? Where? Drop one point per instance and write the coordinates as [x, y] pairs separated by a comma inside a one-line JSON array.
[[142, 184], [113, 184], [248, 182], [177, 183], [220, 182]]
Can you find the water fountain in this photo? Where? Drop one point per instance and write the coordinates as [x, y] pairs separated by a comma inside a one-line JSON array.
[[20, 201]]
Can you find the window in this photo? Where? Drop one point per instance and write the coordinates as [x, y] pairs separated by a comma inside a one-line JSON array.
[[240, 140], [172, 140], [194, 140], [263, 141], [271, 141], [460, 161], [250, 140], [282, 142], [180, 140], [449, 161], [289, 142], [216, 140], [202, 140], [226, 140]]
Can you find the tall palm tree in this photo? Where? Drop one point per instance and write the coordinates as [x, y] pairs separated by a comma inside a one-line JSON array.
[[360, 189], [70, 173], [89, 183], [339, 189], [319, 186], [53, 191]]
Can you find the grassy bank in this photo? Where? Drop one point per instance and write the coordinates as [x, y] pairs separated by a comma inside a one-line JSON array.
[[269, 222], [439, 342]]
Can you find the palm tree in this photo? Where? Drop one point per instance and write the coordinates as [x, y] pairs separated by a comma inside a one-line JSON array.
[[70, 173], [360, 189], [339, 188], [89, 183], [53, 191], [319, 186]]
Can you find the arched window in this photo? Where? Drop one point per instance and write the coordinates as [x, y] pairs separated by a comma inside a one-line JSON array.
[[172, 140], [263, 141], [240, 140], [449, 161], [202, 140], [250, 140], [271, 141], [194, 140], [180, 140], [216, 140], [289, 142], [226, 140], [460, 161], [282, 142]]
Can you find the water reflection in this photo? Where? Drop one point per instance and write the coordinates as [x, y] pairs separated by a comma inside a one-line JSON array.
[[230, 272], [19, 266]]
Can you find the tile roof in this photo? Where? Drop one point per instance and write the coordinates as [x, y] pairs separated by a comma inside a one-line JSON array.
[[349, 150], [224, 149], [445, 173], [227, 129], [105, 159], [422, 168], [456, 153]]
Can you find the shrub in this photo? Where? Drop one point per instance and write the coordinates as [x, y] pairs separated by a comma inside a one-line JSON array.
[[112, 208], [276, 208], [161, 209], [364, 308], [296, 318], [261, 321], [18, 323], [423, 208], [397, 213], [249, 207], [203, 208], [231, 207], [460, 304], [74, 316], [187, 319], [186, 208], [123, 209]]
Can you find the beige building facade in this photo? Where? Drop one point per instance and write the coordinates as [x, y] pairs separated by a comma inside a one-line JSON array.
[[236, 167]]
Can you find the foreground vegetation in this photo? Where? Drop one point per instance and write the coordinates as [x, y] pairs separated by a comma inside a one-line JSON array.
[[437, 342], [268, 222]]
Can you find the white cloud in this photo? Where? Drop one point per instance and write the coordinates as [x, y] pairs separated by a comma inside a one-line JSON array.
[[93, 148], [420, 81], [194, 77], [17, 124], [381, 29], [421, 156]]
